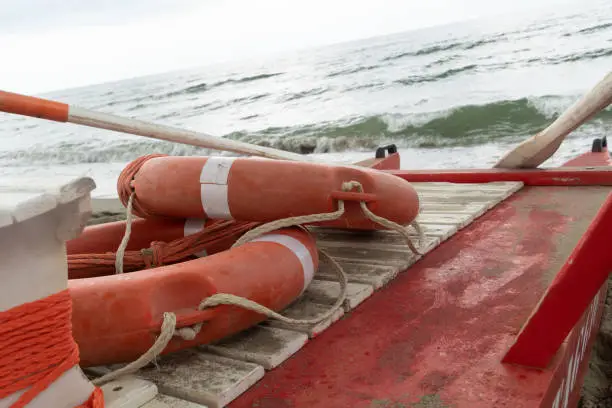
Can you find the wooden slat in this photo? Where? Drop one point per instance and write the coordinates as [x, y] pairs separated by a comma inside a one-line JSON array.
[[374, 254], [304, 309], [328, 291], [203, 378], [374, 275], [128, 392], [499, 186], [266, 346], [165, 401]]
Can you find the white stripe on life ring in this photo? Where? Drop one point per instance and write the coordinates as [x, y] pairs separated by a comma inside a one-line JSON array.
[[299, 249], [214, 188], [193, 225]]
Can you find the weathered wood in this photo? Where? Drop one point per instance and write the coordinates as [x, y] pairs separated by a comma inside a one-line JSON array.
[[499, 186], [328, 291], [374, 275], [128, 392], [266, 346], [460, 220], [203, 378], [304, 309], [165, 401], [370, 259], [21, 205], [375, 255]]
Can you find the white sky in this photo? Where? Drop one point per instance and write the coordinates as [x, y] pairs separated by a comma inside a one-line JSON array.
[[54, 44]]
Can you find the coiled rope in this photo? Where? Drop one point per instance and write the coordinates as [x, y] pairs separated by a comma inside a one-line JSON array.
[[37, 348]]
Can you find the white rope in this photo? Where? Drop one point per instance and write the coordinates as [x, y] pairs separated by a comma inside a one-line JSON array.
[[126, 236], [168, 327], [169, 330], [332, 216], [347, 186], [290, 222]]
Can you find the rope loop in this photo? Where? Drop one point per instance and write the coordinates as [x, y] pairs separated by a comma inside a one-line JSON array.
[[169, 330], [332, 216]]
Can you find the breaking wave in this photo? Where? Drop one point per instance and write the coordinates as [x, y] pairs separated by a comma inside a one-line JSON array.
[[461, 126], [417, 79], [590, 30], [433, 49]]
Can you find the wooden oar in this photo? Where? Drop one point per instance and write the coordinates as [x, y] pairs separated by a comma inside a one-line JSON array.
[[537, 149], [61, 112]]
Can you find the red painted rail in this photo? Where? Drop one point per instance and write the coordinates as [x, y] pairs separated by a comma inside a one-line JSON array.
[[566, 299], [560, 176]]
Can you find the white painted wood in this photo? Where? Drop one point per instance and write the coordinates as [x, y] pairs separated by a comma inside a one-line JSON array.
[[460, 219], [203, 378], [383, 237], [383, 255], [456, 197], [165, 401], [374, 275], [303, 309], [499, 186], [35, 225], [71, 389], [32, 247], [537, 149], [438, 231], [327, 291], [141, 128], [128, 392], [266, 346], [394, 251], [444, 208]]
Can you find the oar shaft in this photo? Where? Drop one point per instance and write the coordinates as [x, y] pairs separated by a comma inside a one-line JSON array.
[[582, 110], [61, 112], [137, 127], [35, 107]]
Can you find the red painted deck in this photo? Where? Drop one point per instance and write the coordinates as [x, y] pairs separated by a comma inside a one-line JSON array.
[[435, 337]]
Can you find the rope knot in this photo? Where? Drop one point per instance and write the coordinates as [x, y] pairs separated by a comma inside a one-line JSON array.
[[154, 255], [349, 185]]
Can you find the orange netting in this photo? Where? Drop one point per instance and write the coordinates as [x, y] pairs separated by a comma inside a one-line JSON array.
[[159, 253], [38, 347]]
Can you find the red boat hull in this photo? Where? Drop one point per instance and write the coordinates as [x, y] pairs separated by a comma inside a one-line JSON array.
[[438, 334]]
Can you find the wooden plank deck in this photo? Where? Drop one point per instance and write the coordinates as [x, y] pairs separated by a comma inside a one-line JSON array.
[[212, 376]]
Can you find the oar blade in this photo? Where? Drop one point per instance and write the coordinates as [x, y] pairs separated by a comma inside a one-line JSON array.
[[539, 148]]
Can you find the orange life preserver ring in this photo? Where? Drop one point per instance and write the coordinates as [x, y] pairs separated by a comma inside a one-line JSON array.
[[153, 242], [106, 237], [117, 318], [261, 190]]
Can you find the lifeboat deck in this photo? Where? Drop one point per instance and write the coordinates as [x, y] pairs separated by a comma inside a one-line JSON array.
[[214, 376]]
